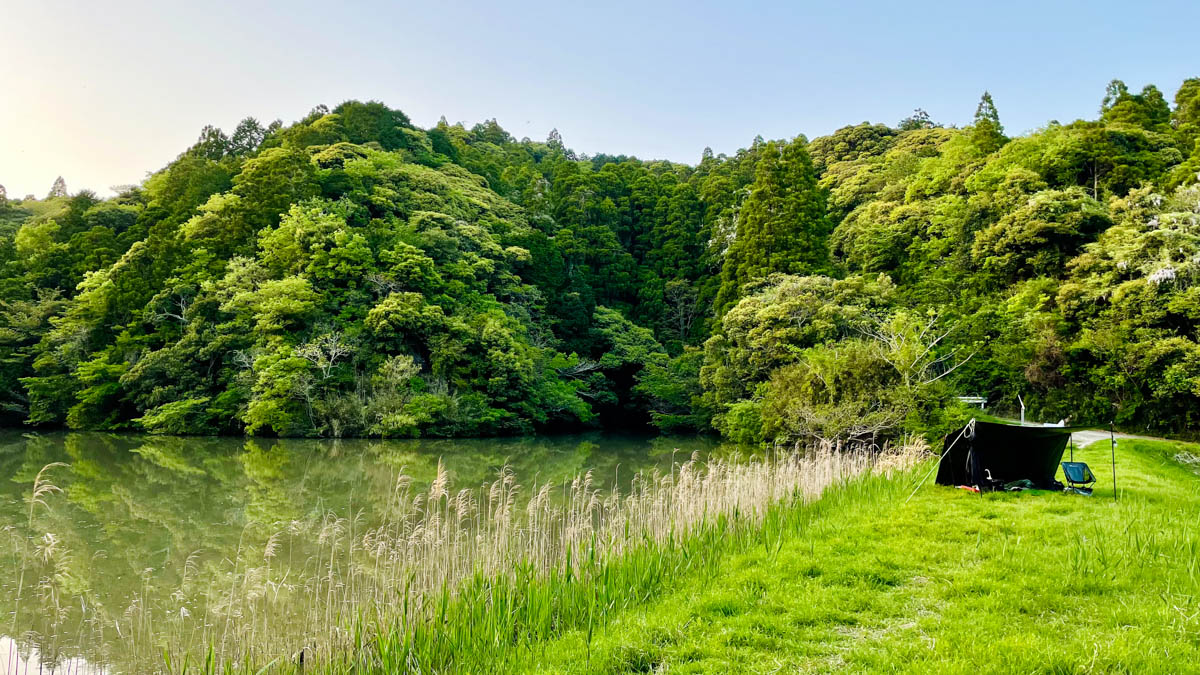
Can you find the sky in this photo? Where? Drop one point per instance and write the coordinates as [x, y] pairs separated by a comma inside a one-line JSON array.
[[104, 93]]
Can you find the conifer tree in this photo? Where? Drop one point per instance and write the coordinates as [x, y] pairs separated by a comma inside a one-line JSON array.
[[59, 189], [987, 133], [782, 226]]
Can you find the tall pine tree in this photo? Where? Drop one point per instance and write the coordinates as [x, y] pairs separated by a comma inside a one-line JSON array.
[[987, 133], [59, 189], [782, 226]]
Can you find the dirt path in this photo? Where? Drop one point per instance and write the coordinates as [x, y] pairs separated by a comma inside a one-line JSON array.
[[1083, 438]]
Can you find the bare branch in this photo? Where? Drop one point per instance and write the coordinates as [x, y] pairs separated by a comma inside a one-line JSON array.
[[583, 367], [325, 351]]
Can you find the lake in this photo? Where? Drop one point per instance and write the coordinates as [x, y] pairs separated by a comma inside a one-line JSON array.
[[134, 543]]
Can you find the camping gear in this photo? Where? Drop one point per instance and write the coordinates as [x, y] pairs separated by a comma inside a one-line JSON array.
[[1018, 485], [1079, 477], [991, 455]]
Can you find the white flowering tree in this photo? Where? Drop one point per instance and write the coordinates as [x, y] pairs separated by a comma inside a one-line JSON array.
[[1134, 295]]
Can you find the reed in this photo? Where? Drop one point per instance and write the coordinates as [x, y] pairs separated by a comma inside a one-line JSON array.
[[38, 554], [472, 580]]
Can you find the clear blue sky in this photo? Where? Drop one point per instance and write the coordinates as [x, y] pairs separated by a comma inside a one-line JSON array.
[[104, 92]]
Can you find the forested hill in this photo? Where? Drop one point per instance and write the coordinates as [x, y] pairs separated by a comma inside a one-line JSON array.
[[353, 274]]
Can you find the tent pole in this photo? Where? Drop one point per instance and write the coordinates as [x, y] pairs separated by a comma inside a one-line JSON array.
[[970, 425], [1112, 437]]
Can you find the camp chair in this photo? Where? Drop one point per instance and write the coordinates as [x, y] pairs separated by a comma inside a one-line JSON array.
[[1079, 477]]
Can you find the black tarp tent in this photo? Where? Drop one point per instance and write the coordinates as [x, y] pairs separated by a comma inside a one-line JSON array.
[[990, 454]]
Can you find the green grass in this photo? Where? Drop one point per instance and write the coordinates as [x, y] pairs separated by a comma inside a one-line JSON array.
[[948, 582]]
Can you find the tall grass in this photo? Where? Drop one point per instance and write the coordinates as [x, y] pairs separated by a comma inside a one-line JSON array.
[[469, 581], [41, 554]]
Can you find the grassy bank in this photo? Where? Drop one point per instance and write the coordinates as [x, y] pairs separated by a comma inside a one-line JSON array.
[[948, 582]]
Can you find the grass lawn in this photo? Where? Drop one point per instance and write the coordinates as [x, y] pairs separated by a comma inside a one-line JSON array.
[[948, 582]]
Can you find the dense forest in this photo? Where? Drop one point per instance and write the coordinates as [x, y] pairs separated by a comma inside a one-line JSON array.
[[352, 274]]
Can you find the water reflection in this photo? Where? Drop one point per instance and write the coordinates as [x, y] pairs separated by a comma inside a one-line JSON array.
[[133, 544]]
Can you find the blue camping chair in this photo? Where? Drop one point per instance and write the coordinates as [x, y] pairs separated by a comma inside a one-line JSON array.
[[1079, 477]]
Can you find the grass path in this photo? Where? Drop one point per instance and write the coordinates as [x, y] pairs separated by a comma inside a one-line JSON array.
[[949, 582]]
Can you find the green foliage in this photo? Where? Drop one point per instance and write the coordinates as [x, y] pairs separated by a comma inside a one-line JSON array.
[[782, 317], [533, 288], [186, 416], [809, 359], [782, 226], [373, 121], [1148, 109], [674, 394], [627, 350], [1038, 237]]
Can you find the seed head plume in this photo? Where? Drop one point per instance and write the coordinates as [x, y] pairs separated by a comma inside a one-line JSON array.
[[42, 487], [440, 482]]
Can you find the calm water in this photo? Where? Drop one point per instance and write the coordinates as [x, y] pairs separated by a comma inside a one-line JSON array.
[[142, 522]]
